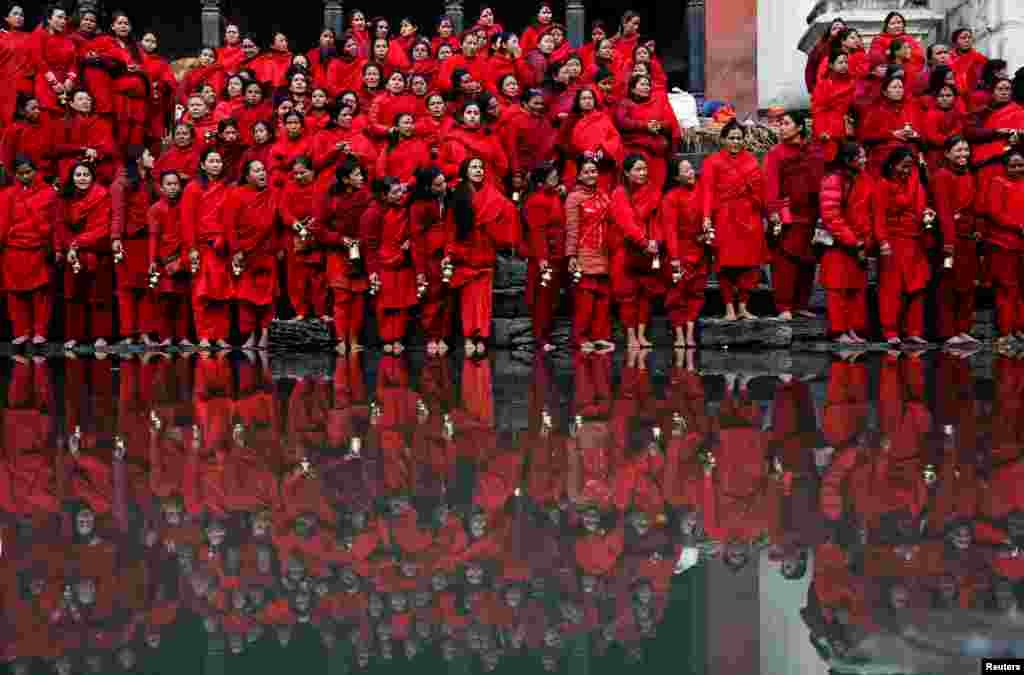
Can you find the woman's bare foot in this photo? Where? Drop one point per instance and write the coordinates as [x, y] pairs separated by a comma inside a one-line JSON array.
[[223, 344], [604, 346], [264, 343], [387, 348], [101, 343], [127, 342], [730, 313], [204, 344], [586, 347], [954, 341], [481, 347], [680, 337], [644, 342], [916, 340], [806, 314], [746, 313], [341, 347], [70, 344], [39, 340], [785, 316], [299, 317], [631, 340], [845, 339], [398, 348], [442, 347], [894, 342], [967, 337], [185, 343], [164, 343], [432, 348], [856, 338], [250, 343], [20, 340], [354, 347], [548, 347]]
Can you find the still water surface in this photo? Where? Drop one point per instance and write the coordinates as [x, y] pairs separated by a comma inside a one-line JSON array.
[[667, 512]]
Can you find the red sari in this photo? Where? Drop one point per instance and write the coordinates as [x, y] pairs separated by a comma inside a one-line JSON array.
[[1004, 205], [17, 69], [830, 102], [305, 264], [897, 208], [167, 249], [74, 134], [588, 220], [793, 173], [128, 224], [339, 216], [464, 143], [432, 231], [393, 263], [57, 56], [85, 226], [544, 220], [160, 106], [496, 225], [632, 117], [596, 132], [27, 139], [404, 159], [876, 129], [955, 193], [202, 222], [27, 218], [634, 281], [250, 219], [879, 53], [682, 222]]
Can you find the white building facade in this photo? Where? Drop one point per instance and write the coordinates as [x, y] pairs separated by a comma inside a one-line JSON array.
[[784, 34]]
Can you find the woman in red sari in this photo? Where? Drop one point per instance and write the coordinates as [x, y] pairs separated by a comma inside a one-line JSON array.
[[588, 221], [56, 62], [531, 36], [846, 194], [305, 265], [345, 72], [183, 156], [485, 220], [132, 89], [294, 143], [1005, 205], [202, 220], [209, 71], [943, 120], [432, 230], [968, 62], [594, 134], [163, 83], [894, 28], [989, 130], [28, 213], [84, 135], [821, 51], [339, 215], [892, 122], [405, 153], [831, 102], [636, 255], [17, 63], [469, 139], [544, 219], [733, 208], [250, 221], [339, 140], [168, 262], [648, 127], [682, 223], [83, 246], [793, 170], [27, 137], [392, 274], [955, 189], [901, 219], [133, 193]]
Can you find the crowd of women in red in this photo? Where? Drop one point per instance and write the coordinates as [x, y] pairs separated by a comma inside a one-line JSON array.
[[375, 173], [926, 151], [382, 175]]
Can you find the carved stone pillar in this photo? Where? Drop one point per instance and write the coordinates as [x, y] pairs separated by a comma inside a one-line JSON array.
[[697, 42], [575, 22], [211, 23], [334, 15], [453, 10]]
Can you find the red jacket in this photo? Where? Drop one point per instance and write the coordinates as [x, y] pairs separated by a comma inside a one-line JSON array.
[[55, 55], [27, 219], [544, 218], [734, 200], [792, 177], [339, 216], [846, 213], [76, 133], [682, 221], [1007, 218], [167, 245], [250, 219], [955, 193]]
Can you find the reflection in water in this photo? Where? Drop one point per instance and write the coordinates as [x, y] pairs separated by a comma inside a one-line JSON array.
[[190, 514]]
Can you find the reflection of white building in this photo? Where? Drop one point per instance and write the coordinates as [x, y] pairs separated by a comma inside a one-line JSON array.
[[783, 32]]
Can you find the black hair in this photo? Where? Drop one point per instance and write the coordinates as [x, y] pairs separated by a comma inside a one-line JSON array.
[[937, 80], [462, 204], [69, 191], [344, 170], [423, 188], [576, 109], [22, 105], [889, 17], [730, 126], [989, 71], [895, 158]]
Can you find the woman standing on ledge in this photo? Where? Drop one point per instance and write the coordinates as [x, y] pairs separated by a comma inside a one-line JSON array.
[[83, 245], [846, 193], [588, 219], [485, 221], [733, 208]]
